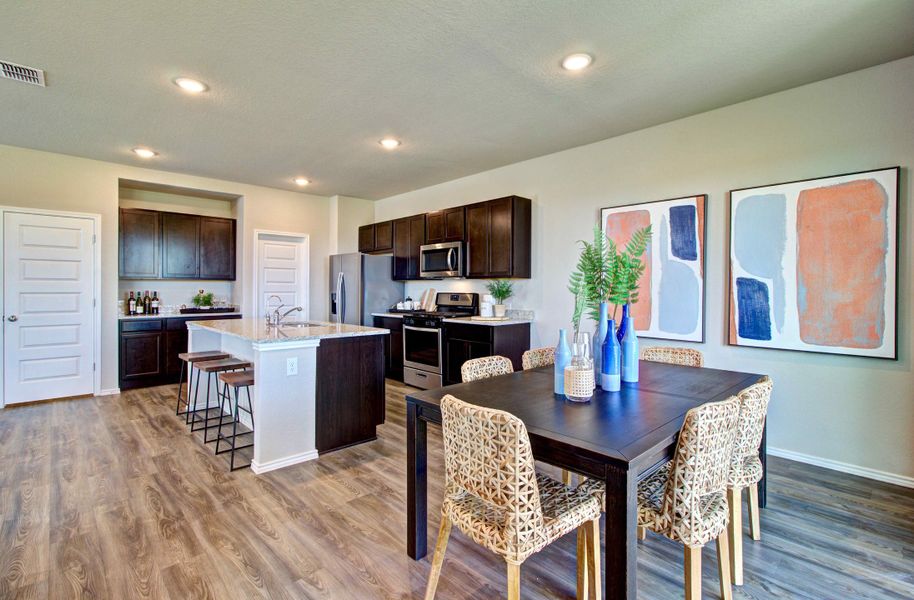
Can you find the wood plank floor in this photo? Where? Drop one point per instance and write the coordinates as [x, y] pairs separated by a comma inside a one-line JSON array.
[[113, 498]]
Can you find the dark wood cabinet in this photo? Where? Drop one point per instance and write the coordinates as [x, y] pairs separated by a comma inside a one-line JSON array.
[[180, 246], [408, 236], [366, 238], [217, 248], [350, 401], [376, 238], [463, 342], [498, 235], [139, 244], [445, 225], [393, 346]]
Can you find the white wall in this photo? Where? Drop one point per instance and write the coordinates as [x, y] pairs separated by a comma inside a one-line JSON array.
[[851, 410], [34, 179], [346, 215]]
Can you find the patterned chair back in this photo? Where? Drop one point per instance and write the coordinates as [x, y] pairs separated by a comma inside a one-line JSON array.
[[538, 357], [673, 356], [752, 413], [483, 368]]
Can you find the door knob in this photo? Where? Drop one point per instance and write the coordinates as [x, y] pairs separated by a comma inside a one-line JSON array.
[[12, 318]]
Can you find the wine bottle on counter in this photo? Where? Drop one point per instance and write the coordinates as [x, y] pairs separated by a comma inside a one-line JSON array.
[[140, 307], [147, 303], [131, 305], [155, 302]]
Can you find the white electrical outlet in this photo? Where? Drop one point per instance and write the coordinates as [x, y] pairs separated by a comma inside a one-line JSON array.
[[291, 366]]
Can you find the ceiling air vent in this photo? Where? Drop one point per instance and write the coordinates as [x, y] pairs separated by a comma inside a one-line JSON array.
[[22, 73]]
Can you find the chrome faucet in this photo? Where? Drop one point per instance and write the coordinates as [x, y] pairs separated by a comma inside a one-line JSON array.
[[277, 318]]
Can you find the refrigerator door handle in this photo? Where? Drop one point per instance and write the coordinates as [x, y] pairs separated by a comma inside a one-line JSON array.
[[342, 297], [339, 298]]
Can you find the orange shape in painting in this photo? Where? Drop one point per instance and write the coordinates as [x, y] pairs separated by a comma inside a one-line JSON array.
[[619, 228], [842, 240]]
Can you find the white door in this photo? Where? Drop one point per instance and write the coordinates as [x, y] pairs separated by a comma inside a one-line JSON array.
[[48, 320], [282, 271]]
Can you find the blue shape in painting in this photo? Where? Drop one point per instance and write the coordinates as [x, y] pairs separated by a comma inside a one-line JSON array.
[[752, 303], [759, 240], [678, 291], [683, 240]]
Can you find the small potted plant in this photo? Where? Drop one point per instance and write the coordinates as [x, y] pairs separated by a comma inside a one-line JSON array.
[[203, 300], [501, 290]]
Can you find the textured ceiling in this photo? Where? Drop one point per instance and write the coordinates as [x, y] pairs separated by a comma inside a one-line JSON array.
[[309, 88]]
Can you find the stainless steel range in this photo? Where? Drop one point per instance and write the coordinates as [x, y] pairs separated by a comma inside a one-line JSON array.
[[423, 355]]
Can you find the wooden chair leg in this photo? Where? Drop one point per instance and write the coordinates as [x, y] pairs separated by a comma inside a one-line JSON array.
[[723, 565], [734, 500], [755, 529], [513, 581], [440, 547], [642, 533], [594, 570], [566, 477], [582, 563], [693, 572]]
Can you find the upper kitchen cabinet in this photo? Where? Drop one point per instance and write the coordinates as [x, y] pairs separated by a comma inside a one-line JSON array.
[[445, 225], [376, 238], [139, 244], [408, 235], [164, 245], [498, 236]]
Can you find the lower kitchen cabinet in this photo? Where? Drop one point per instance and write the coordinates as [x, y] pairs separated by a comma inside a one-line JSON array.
[[393, 346], [149, 349], [463, 342]]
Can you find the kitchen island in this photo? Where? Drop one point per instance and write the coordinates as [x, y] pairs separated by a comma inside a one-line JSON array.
[[319, 386]]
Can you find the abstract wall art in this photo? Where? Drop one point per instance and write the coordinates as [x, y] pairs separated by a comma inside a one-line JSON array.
[[813, 265], [671, 290]]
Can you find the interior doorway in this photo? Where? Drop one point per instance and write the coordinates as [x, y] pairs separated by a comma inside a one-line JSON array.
[[281, 262]]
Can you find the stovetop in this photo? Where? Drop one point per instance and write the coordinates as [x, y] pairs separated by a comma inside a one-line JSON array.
[[449, 305]]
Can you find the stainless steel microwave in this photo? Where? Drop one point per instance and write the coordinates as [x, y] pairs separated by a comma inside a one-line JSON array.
[[437, 261]]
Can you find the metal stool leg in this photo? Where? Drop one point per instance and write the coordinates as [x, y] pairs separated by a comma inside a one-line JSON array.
[[192, 413], [180, 386], [223, 398], [234, 434]]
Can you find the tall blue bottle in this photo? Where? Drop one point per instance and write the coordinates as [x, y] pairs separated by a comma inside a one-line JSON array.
[[611, 370], [562, 359], [629, 352], [598, 336], [622, 323]]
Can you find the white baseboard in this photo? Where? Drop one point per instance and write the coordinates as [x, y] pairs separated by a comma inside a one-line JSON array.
[[843, 467], [109, 392], [283, 462]]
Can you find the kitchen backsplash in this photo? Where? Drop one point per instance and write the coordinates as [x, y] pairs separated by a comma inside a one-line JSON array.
[[179, 292]]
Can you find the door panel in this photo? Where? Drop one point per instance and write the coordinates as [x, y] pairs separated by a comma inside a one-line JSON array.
[[180, 246], [383, 236], [48, 287], [351, 287], [280, 274], [500, 240], [217, 248], [477, 230], [139, 243]]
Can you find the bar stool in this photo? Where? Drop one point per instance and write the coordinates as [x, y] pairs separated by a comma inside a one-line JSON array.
[[212, 368], [187, 365], [236, 380]]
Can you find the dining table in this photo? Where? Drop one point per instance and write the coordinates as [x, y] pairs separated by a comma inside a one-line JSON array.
[[616, 437]]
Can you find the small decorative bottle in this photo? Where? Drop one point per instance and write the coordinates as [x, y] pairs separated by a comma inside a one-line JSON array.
[[598, 336], [579, 374], [562, 360], [623, 323], [611, 371], [630, 353]]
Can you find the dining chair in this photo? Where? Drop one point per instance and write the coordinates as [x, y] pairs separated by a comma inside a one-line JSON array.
[[685, 500], [495, 497], [673, 355], [485, 367], [746, 469], [538, 357]]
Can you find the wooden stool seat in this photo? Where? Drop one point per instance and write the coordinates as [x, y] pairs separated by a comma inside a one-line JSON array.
[[224, 364], [192, 357], [237, 379]]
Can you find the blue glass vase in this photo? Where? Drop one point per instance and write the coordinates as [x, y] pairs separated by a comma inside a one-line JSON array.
[[623, 323], [611, 368], [562, 360], [629, 353], [598, 336]]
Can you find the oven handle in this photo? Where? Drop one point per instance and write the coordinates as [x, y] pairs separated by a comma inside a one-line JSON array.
[[428, 329]]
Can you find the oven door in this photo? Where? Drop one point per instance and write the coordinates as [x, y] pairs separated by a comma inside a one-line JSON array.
[[422, 348], [441, 260]]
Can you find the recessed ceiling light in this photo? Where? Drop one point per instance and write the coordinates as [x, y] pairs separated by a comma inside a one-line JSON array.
[[301, 181], [390, 143], [576, 62], [191, 86], [144, 152]]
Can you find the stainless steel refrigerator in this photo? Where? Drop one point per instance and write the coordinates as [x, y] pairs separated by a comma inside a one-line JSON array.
[[361, 284]]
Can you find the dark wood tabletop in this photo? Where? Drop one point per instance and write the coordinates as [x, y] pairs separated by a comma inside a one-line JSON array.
[[616, 437]]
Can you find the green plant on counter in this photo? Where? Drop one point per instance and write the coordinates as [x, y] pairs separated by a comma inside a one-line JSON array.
[[203, 299], [501, 290]]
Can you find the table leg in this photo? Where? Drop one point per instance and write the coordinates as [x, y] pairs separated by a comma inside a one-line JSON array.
[[416, 484], [763, 456], [621, 529]]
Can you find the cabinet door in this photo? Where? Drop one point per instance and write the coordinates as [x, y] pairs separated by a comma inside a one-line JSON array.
[[501, 240], [366, 238], [434, 227], [175, 343], [454, 219], [141, 355], [383, 236], [416, 239], [458, 352], [217, 248], [477, 236], [139, 244], [401, 249], [180, 246]]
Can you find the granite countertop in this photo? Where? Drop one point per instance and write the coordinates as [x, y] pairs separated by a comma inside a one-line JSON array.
[[471, 321], [175, 316], [256, 330]]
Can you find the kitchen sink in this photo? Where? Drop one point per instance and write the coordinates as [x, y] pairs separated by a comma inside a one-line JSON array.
[[300, 324]]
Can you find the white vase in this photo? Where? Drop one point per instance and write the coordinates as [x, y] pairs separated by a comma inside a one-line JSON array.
[[500, 310]]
